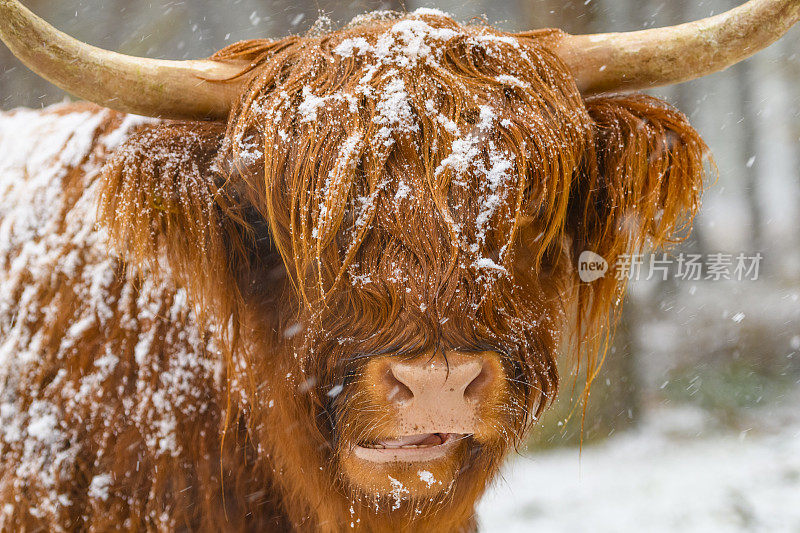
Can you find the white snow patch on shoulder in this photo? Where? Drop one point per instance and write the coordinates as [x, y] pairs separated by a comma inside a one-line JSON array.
[[99, 486]]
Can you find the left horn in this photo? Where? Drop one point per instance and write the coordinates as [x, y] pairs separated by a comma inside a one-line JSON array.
[[609, 62], [202, 89]]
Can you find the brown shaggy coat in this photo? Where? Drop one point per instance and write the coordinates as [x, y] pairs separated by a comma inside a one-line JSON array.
[[190, 358]]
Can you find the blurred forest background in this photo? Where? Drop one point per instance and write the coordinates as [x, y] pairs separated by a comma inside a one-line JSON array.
[[695, 358]]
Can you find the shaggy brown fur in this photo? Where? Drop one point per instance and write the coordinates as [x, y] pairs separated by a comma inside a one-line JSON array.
[[400, 187]]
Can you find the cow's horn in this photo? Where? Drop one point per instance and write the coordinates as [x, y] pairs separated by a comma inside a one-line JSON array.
[[157, 88], [609, 62]]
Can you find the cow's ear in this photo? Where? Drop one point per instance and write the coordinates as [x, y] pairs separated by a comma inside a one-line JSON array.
[[166, 206], [640, 185], [643, 176]]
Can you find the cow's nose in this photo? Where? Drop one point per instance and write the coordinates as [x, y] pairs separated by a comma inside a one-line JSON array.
[[459, 378], [440, 393]]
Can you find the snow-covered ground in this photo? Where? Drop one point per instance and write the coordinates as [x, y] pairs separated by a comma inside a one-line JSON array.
[[652, 480]]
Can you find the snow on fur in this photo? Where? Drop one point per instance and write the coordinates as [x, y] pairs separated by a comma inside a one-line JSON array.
[[62, 293]]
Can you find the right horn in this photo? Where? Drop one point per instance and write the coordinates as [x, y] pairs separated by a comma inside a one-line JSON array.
[[610, 62]]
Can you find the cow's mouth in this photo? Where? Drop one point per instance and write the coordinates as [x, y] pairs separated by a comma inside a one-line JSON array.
[[408, 448]]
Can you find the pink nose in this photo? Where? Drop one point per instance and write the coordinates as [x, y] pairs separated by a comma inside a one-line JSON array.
[[459, 379], [438, 395]]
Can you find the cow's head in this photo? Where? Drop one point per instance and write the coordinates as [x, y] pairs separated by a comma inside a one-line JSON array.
[[384, 233]]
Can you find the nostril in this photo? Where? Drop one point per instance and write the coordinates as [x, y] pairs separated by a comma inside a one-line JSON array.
[[398, 392], [477, 386]]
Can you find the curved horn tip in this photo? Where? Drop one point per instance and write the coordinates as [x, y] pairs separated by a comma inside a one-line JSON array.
[[664, 56]]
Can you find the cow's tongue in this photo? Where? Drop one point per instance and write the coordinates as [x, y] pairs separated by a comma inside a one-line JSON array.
[[426, 439]]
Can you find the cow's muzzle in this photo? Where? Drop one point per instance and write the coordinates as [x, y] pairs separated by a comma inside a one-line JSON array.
[[433, 403]]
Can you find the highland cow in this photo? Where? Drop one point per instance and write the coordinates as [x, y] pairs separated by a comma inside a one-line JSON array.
[[329, 293]]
